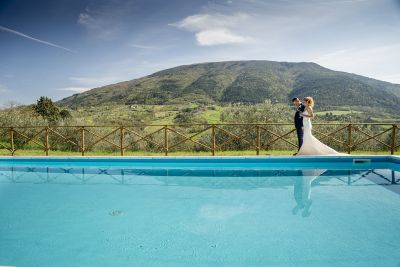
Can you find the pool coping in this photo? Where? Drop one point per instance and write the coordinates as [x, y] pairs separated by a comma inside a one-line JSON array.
[[391, 158]]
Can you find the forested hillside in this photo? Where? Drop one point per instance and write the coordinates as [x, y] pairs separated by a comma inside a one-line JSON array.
[[245, 82]]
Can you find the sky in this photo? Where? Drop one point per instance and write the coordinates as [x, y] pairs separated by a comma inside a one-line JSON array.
[[57, 48]]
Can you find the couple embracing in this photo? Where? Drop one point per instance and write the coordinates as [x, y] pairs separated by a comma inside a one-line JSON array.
[[308, 144]]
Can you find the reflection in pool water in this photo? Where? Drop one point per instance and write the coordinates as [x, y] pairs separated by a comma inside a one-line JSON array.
[[302, 190], [244, 179], [198, 217]]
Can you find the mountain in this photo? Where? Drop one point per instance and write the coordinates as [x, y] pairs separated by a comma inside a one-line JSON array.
[[245, 82]]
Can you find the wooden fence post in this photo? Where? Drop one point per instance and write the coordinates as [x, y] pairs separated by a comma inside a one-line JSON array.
[[46, 141], [82, 146], [166, 140], [349, 139], [258, 140], [12, 140], [393, 143], [121, 139], [213, 139]]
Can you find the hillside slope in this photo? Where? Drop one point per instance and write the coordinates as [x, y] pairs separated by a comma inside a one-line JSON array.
[[245, 82]]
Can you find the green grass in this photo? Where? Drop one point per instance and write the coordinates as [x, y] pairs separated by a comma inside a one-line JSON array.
[[338, 112], [212, 116], [177, 153]]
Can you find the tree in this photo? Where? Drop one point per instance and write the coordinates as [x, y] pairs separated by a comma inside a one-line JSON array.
[[47, 109], [259, 113], [65, 114]]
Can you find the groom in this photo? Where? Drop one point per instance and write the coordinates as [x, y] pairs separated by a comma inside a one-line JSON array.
[[298, 120]]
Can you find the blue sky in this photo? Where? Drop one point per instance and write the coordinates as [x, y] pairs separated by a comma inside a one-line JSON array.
[[60, 47]]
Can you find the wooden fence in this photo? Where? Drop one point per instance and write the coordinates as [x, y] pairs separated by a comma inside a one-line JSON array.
[[345, 137]]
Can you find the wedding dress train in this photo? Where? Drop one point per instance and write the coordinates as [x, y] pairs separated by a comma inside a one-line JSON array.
[[311, 145]]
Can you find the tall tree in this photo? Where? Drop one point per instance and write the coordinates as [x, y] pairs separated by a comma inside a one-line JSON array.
[[46, 108]]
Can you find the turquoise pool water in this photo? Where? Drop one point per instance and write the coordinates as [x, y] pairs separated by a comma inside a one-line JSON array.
[[165, 212]]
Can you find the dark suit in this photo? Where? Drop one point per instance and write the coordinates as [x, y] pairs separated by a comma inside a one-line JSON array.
[[298, 123]]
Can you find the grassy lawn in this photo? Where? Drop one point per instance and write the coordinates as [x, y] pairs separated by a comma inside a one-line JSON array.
[[178, 153], [338, 112], [212, 116]]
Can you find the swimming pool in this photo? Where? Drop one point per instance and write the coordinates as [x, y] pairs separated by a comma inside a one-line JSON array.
[[219, 211]]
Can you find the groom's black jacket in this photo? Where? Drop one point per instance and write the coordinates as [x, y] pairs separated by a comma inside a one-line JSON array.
[[298, 120]]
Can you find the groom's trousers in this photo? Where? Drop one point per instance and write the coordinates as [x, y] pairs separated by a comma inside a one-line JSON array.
[[299, 132]]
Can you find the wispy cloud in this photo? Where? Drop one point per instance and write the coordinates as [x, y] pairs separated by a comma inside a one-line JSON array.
[[98, 25], [145, 47], [75, 89], [35, 39], [215, 29], [88, 21], [107, 20], [4, 89], [93, 81], [82, 84]]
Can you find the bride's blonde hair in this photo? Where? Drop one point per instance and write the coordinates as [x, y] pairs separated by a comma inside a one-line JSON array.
[[309, 100]]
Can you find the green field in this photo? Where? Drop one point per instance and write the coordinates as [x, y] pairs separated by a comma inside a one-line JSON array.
[[338, 112]]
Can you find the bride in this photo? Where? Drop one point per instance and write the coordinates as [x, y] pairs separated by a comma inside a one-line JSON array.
[[311, 145]]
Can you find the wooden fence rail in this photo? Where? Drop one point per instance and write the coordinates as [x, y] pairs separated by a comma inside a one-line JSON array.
[[206, 137]]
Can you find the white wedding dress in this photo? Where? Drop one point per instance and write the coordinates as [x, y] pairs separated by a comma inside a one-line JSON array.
[[311, 145]]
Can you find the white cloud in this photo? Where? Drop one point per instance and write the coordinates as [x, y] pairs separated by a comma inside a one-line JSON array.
[[207, 21], [88, 21], [75, 89], [82, 84], [35, 39], [145, 47], [93, 81], [219, 36], [101, 26], [215, 29]]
